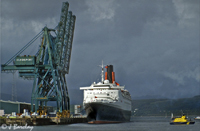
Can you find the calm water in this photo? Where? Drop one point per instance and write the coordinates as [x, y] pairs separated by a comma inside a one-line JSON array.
[[137, 124]]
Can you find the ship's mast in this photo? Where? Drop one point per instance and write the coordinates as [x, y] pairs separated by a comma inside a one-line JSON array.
[[102, 72]]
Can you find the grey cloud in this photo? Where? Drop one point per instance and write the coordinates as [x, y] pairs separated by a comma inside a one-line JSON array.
[[153, 45]]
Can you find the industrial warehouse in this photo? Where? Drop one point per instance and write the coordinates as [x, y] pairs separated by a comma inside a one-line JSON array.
[[8, 107]]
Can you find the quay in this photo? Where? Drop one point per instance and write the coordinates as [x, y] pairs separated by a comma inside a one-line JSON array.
[[41, 121]]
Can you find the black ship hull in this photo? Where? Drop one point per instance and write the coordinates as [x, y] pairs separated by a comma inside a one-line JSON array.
[[103, 112]]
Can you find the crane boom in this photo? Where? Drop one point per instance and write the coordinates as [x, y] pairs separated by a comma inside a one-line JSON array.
[[49, 67]]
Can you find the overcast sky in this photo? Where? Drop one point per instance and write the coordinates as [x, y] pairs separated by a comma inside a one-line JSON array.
[[153, 45]]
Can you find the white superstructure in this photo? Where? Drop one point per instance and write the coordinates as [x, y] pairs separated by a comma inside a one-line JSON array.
[[107, 93]]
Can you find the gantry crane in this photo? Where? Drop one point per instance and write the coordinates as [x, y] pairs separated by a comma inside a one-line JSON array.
[[50, 65]]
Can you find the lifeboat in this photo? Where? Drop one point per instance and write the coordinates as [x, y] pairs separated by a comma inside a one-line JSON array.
[[181, 121]]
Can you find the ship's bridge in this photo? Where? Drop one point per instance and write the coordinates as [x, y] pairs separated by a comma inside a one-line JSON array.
[[102, 86]]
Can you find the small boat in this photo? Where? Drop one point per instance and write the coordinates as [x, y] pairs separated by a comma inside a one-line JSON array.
[[181, 121], [197, 118]]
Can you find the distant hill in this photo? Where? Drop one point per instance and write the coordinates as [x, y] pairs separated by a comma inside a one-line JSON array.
[[163, 107], [26, 98], [148, 97]]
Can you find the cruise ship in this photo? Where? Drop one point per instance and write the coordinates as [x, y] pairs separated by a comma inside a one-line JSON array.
[[107, 101]]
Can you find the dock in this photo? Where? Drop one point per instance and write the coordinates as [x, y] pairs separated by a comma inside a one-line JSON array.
[[41, 121]]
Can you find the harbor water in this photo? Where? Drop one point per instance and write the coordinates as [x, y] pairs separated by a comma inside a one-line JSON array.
[[136, 124]]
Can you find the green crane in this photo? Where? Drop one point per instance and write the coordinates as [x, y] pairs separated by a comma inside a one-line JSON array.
[[50, 65]]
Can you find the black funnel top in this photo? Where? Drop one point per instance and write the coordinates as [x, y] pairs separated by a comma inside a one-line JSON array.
[[109, 72]]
